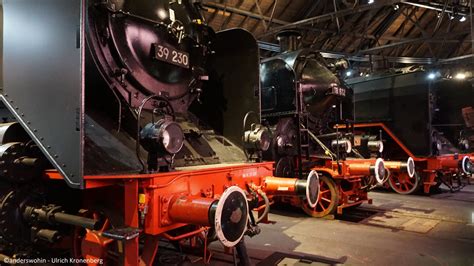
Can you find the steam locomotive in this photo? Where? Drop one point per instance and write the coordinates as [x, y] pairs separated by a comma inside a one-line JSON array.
[[125, 132], [421, 118], [307, 106]]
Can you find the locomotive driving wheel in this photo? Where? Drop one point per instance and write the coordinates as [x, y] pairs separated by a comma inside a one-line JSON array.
[[403, 184], [328, 198], [284, 167]]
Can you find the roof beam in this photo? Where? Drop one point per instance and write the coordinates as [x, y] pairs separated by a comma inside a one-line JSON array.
[[391, 45], [282, 22], [331, 15], [243, 12], [366, 58], [449, 9]]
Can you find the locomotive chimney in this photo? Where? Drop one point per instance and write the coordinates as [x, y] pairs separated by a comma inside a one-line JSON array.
[[289, 40]]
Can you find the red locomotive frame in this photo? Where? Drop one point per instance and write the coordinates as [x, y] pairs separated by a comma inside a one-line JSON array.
[[159, 194], [427, 167]]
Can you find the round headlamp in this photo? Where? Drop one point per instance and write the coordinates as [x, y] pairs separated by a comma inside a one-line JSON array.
[[464, 144], [258, 138], [375, 146], [164, 135], [343, 144]]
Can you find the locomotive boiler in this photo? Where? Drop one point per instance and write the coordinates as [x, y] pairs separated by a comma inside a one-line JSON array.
[[123, 133], [306, 104], [419, 117]]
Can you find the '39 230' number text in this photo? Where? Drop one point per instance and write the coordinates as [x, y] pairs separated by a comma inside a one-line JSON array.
[[171, 55]]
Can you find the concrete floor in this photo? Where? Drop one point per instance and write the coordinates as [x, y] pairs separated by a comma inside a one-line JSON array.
[[395, 230]]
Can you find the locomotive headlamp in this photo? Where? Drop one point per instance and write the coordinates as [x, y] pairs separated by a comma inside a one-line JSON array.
[[375, 146], [164, 135], [464, 144], [343, 144], [257, 138]]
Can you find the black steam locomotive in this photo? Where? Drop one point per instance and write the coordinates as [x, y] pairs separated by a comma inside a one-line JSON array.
[[137, 107], [419, 115], [305, 104]]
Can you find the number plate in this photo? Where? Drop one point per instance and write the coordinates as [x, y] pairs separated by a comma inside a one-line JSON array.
[[170, 55], [338, 91]]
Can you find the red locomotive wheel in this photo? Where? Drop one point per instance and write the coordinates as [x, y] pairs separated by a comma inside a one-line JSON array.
[[404, 184], [327, 200]]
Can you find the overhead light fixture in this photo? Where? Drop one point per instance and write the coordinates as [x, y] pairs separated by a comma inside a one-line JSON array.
[[439, 14], [451, 17], [462, 19], [370, 2], [460, 76], [348, 73], [432, 76], [396, 7]]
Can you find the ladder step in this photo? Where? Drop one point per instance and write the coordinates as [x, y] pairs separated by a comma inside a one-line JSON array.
[[122, 233]]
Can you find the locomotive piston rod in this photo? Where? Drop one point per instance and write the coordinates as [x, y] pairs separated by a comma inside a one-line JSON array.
[[54, 215]]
